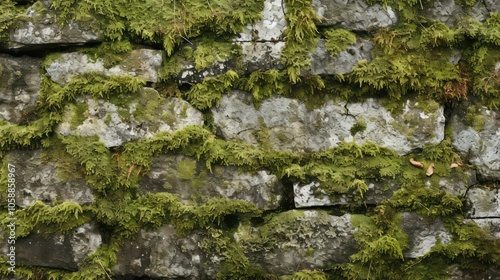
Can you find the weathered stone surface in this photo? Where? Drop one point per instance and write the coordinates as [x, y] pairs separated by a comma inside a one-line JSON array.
[[143, 63], [322, 63], [255, 56], [493, 6], [270, 27], [58, 250], [480, 144], [423, 234], [189, 74], [412, 127], [193, 182], [19, 86], [455, 273], [458, 181], [261, 55], [297, 239], [310, 195], [41, 29], [491, 226], [450, 12], [354, 15], [292, 127], [483, 203], [39, 179], [162, 253], [145, 116]]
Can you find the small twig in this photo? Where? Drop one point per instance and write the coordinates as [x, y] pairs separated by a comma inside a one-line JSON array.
[[130, 171], [186, 40], [210, 6], [99, 261]]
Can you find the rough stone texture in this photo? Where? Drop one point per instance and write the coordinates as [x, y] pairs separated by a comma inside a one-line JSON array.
[[143, 117], [409, 129], [143, 63], [450, 12], [354, 15], [162, 253], [40, 30], [270, 27], [455, 273], [311, 195], [293, 128], [491, 226], [423, 234], [19, 86], [192, 181], [255, 56], [297, 239], [483, 203], [37, 179], [481, 147], [189, 74], [322, 63], [493, 6], [58, 250], [458, 181], [261, 55]]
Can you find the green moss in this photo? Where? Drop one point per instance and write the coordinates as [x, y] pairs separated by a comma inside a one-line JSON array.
[[66, 166], [80, 112], [338, 40], [187, 169], [359, 126], [168, 23], [209, 92], [381, 243], [474, 119], [9, 12], [301, 37], [111, 53], [208, 51]]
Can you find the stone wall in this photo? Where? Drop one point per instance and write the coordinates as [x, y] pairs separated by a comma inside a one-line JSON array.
[[263, 139]]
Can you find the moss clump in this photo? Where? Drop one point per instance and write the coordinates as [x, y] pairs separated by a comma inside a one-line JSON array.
[[80, 112], [167, 22], [381, 243], [473, 119], [359, 126], [9, 11], [208, 93], [67, 167], [301, 37], [111, 53], [338, 40]]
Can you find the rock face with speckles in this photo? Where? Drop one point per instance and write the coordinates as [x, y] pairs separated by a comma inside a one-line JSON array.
[[312, 195], [193, 182], [450, 11], [19, 87], [483, 203], [353, 15], [476, 136], [164, 254], [298, 239], [142, 63], [291, 126], [144, 117], [63, 251], [40, 178], [423, 234], [40, 29], [322, 63], [270, 27]]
